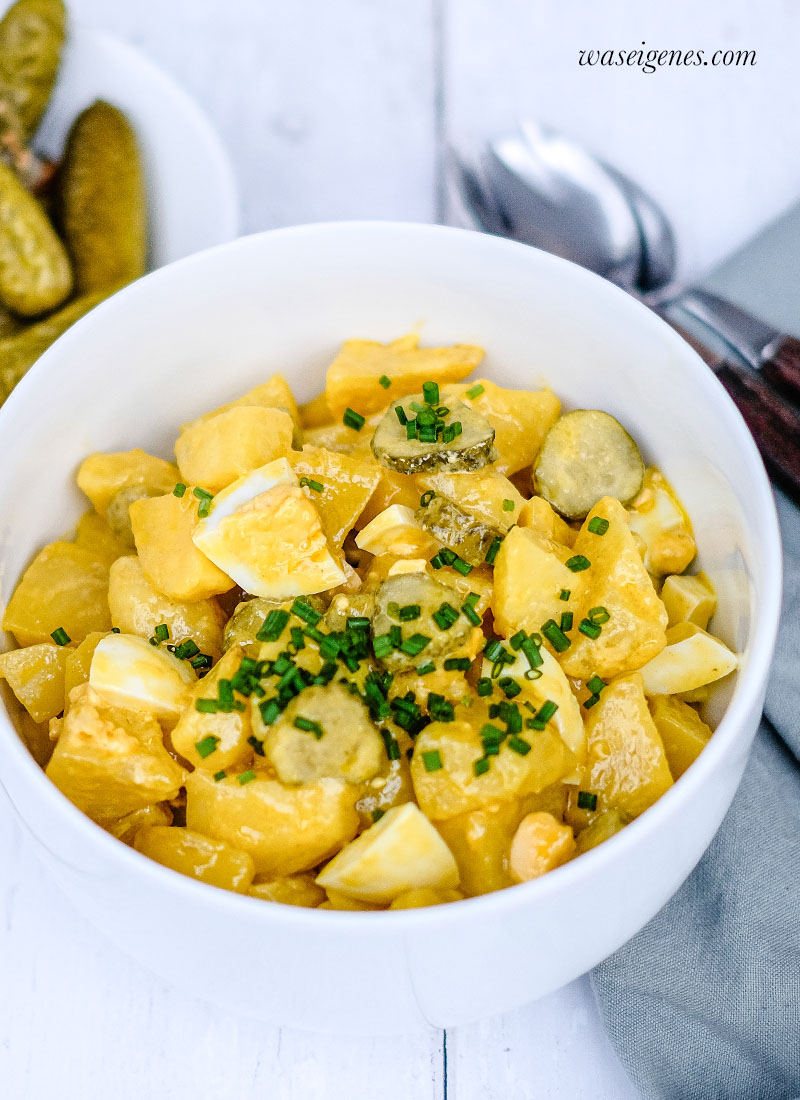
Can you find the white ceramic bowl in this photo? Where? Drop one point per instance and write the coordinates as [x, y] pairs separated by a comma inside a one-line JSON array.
[[135, 369], [192, 196]]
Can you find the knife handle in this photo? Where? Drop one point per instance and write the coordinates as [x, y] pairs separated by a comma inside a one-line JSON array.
[[781, 366], [772, 420]]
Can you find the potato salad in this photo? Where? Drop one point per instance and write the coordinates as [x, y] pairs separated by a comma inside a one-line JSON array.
[[419, 639]]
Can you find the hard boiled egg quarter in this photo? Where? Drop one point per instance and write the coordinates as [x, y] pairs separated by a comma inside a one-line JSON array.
[[130, 672]]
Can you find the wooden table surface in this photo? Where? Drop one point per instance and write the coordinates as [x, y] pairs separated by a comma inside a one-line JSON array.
[[337, 109]]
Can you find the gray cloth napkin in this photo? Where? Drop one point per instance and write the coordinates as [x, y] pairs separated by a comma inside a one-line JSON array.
[[704, 1003]]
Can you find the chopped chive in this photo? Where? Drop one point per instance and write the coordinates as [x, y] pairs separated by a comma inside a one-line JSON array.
[[309, 726], [596, 685], [427, 435], [384, 381], [598, 525], [426, 498], [410, 612], [436, 561], [590, 702], [204, 508], [395, 636], [303, 610], [270, 710], [564, 594], [393, 609], [493, 649], [516, 640], [423, 670], [520, 745], [411, 429], [598, 615], [578, 563], [246, 777], [354, 420], [114, 630], [207, 745], [414, 645], [533, 674], [179, 489], [316, 486], [445, 616], [484, 686], [432, 760], [256, 745], [491, 553], [161, 632], [60, 636], [556, 636], [587, 800], [401, 414], [202, 660], [415, 405], [326, 673], [508, 506], [391, 745], [475, 391], [202, 494], [491, 735], [297, 638], [447, 555], [471, 614], [439, 708], [462, 567], [382, 645], [457, 664], [186, 650], [219, 775], [566, 621], [430, 391], [377, 815], [509, 686], [590, 629], [206, 706], [480, 767]]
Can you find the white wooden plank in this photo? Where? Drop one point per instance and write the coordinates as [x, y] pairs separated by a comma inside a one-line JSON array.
[[712, 144], [326, 108]]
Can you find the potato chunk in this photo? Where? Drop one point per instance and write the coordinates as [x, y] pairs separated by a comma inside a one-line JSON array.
[[275, 393], [347, 484], [138, 608], [540, 844], [95, 534], [289, 890], [529, 575], [618, 582], [109, 761], [285, 829], [214, 740], [392, 488], [454, 788], [64, 586], [480, 841], [682, 730], [162, 531], [353, 377], [689, 600], [691, 659], [325, 731], [542, 518], [659, 519], [626, 765], [101, 476], [197, 856], [520, 418], [79, 661], [400, 852], [36, 676], [125, 828], [217, 451]]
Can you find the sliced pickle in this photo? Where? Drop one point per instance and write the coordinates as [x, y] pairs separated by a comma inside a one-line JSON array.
[[469, 537], [471, 449], [587, 455], [417, 590]]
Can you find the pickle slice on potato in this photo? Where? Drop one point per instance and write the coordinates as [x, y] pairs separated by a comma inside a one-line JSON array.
[[439, 621], [469, 537], [469, 448], [587, 455]]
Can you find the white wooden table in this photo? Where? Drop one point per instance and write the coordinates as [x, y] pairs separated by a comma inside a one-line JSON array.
[[337, 109]]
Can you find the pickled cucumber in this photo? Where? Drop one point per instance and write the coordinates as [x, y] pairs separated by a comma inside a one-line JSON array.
[[35, 272], [468, 448], [102, 200], [587, 455], [432, 599], [457, 529], [19, 353], [31, 38]]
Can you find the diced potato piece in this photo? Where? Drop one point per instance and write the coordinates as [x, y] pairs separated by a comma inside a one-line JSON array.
[[101, 476], [400, 852], [617, 581], [109, 761], [343, 439], [605, 825], [35, 736], [36, 676], [265, 533], [353, 377], [689, 600], [692, 658], [483, 494], [197, 856], [315, 413], [162, 530], [138, 608], [289, 890], [540, 844], [275, 393], [545, 521], [95, 534], [128, 672], [397, 531], [64, 586], [78, 663], [520, 418], [343, 743], [529, 576], [454, 788], [193, 736], [658, 518], [682, 730], [214, 453], [392, 488], [626, 765], [424, 896], [124, 828], [285, 829], [347, 484]]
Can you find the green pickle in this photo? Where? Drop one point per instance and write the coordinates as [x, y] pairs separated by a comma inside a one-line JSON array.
[[35, 272], [31, 38], [102, 200]]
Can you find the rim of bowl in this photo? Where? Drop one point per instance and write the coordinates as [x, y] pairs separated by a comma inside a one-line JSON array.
[[748, 691]]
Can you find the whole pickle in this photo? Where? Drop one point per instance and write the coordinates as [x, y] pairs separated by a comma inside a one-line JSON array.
[[102, 200], [35, 272], [19, 353], [31, 36]]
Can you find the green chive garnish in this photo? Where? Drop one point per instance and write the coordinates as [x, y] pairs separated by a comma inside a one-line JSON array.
[[595, 685], [556, 636], [598, 525], [484, 686], [587, 800], [423, 670], [457, 664], [161, 632], [520, 745], [475, 391], [206, 746], [471, 614], [430, 391], [590, 629], [491, 553], [445, 616], [566, 621], [247, 777], [270, 710], [578, 563], [462, 567], [414, 645], [432, 760], [60, 636], [564, 594], [426, 498], [597, 615], [480, 767], [377, 815], [354, 420], [316, 486], [206, 706], [508, 505], [408, 613], [186, 650], [179, 489], [219, 775], [384, 381], [303, 610], [309, 726], [401, 414]]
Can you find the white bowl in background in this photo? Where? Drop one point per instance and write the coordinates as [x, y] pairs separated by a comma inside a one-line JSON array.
[[191, 190], [131, 372]]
